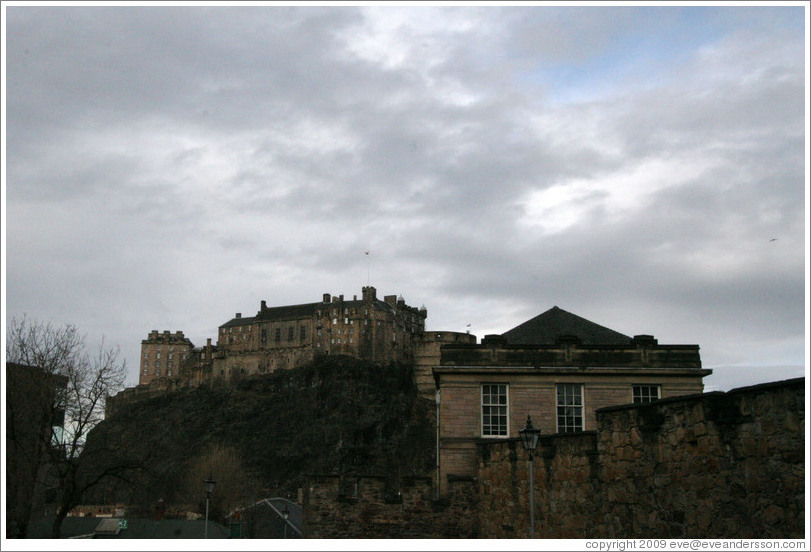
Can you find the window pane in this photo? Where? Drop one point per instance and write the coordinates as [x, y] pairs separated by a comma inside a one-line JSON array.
[[494, 410], [645, 393], [570, 407]]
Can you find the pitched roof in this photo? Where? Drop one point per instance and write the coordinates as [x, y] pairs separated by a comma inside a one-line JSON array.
[[300, 311], [549, 326]]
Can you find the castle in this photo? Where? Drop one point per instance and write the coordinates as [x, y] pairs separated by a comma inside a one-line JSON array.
[[368, 328]]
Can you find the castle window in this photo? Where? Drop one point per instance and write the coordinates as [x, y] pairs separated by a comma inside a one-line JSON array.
[[170, 356], [158, 354], [495, 410], [303, 332], [346, 311], [346, 320], [334, 320], [278, 335], [290, 333], [157, 372], [146, 371], [263, 336], [646, 393], [168, 372], [351, 340], [570, 407], [319, 331]]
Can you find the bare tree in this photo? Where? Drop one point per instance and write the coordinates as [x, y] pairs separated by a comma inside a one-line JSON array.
[[90, 377], [235, 487]]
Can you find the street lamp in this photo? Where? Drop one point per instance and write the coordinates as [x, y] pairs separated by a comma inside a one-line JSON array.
[[209, 489], [529, 438], [285, 515]]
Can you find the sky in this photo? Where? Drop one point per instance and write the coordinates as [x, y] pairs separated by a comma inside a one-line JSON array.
[[644, 167]]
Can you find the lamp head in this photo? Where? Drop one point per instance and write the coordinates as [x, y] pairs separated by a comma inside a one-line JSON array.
[[209, 484], [529, 436]]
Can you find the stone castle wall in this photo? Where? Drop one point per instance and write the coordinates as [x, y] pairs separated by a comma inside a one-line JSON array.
[[370, 507], [717, 465], [140, 392]]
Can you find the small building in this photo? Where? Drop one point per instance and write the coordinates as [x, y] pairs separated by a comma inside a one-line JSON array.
[[269, 518], [557, 368], [35, 419]]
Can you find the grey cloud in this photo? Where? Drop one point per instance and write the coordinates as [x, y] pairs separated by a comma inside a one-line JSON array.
[[239, 154]]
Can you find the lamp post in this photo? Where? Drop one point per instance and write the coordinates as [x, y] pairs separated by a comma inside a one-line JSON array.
[[529, 438], [209, 489], [285, 515]]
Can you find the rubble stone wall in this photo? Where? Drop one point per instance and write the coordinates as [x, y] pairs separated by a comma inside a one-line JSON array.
[[716, 465]]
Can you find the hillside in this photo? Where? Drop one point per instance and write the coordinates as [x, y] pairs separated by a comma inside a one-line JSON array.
[[261, 436]]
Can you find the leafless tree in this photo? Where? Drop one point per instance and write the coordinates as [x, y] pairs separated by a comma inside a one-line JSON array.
[[235, 487], [89, 377]]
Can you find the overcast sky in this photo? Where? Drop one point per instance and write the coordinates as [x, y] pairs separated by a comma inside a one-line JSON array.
[[641, 167]]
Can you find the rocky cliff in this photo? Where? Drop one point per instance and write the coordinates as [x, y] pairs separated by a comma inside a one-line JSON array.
[[261, 436]]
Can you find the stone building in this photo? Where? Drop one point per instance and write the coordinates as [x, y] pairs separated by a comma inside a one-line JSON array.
[[283, 337], [35, 418], [162, 355], [557, 368]]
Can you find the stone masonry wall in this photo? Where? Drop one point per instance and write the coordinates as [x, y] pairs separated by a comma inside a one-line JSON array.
[[367, 507], [717, 465]]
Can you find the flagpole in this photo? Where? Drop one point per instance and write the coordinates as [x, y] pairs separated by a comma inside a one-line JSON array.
[[368, 262]]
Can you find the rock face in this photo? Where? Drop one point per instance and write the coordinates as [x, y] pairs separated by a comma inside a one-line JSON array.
[[336, 415]]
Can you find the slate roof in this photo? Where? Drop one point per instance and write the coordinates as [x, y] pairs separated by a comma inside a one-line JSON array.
[[299, 311], [137, 528], [547, 327]]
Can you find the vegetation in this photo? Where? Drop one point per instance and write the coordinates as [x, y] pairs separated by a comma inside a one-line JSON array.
[[263, 435], [85, 379]]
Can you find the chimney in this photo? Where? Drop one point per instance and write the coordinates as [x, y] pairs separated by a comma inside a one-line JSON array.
[[494, 340], [644, 339], [264, 304], [239, 315], [208, 343], [326, 297], [369, 293]]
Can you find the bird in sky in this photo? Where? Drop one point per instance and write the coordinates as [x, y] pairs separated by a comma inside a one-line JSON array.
[[773, 239]]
